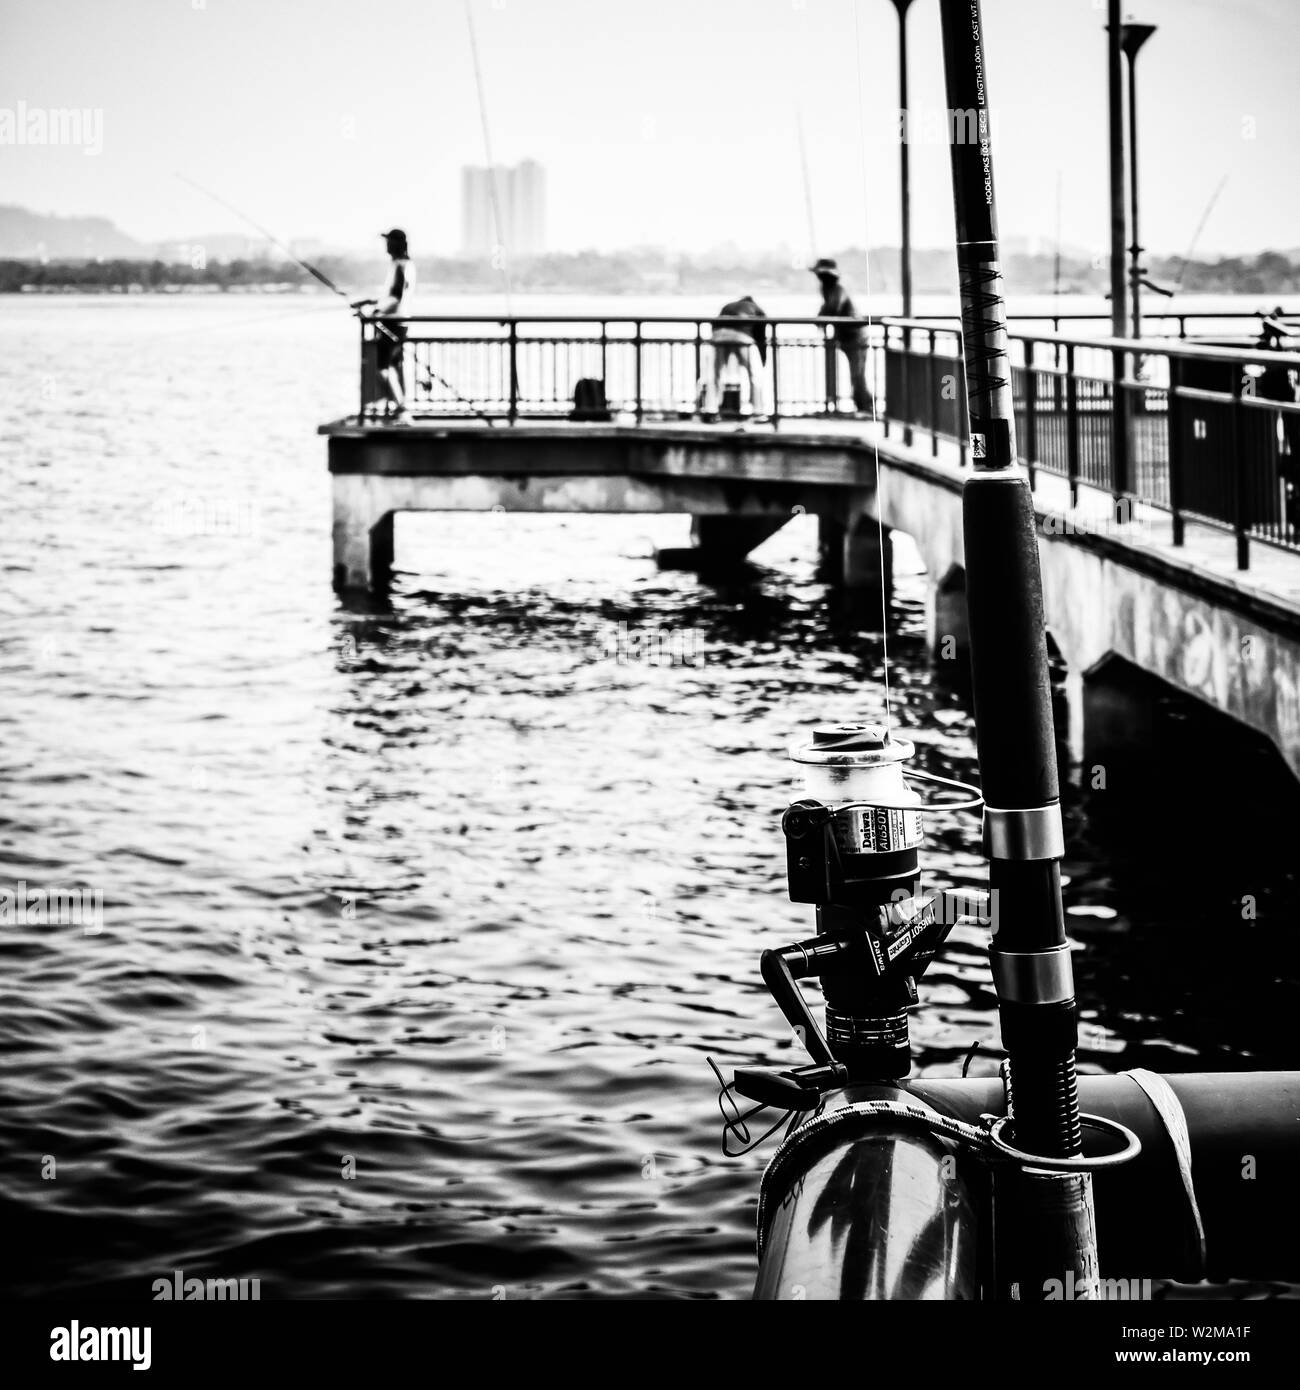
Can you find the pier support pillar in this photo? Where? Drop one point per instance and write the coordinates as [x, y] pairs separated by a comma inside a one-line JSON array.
[[1119, 714], [947, 622], [851, 554], [720, 542], [363, 535], [1075, 695], [381, 550], [1122, 726]]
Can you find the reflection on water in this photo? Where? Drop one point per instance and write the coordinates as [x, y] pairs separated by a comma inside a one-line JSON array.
[[420, 918]]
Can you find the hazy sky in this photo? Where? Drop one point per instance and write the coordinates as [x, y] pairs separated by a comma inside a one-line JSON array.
[[670, 122]]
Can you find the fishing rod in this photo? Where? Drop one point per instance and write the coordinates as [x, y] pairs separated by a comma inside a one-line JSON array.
[[1015, 737], [807, 186], [1056, 267], [890, 1188], [493, 192], [1196, 235], [354, 304], [269, 235]]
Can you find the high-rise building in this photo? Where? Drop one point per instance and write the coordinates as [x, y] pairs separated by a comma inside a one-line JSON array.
[[521, 205], [476, 230], [528, 208]]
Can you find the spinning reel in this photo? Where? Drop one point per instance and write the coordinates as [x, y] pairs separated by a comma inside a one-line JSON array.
[[852, 850]]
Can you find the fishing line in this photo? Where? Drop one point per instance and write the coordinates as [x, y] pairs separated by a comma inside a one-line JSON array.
[[733, 1124], [251, 322], [972, 799], [487, 150], [875, 420]]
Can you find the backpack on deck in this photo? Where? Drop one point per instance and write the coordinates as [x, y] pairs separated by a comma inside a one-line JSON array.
[[589, 401]]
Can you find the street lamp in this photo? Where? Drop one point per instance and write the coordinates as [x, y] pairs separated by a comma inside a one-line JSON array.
[[1132, 37], [904, 157], [905, 251]]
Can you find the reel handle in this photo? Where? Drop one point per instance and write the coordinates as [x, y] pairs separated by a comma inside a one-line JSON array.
[[780, 968]]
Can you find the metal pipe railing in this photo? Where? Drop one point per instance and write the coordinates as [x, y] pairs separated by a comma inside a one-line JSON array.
[[1197, 440]]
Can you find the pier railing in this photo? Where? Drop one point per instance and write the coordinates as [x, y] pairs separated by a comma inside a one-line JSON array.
[[528, 368], [1209, 434]]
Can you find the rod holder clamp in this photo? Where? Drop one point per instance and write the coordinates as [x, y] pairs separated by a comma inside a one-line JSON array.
[[1075, 1163]]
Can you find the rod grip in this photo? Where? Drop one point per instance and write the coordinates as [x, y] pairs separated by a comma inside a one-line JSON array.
[[1009, 678]]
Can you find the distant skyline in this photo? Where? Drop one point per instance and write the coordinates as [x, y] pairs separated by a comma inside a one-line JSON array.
[[671, 123], [520, 205]]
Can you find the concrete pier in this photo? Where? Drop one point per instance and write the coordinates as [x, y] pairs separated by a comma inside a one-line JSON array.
[[856, 552], [1185, 615], [720, 543], [947, 622]]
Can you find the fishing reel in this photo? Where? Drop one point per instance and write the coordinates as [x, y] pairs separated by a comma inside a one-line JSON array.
[[852, 851]]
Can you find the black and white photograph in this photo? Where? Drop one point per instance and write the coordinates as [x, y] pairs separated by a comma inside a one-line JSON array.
[[649, 652]]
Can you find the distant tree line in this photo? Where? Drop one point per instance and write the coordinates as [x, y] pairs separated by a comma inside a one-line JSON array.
[[1271, 273]]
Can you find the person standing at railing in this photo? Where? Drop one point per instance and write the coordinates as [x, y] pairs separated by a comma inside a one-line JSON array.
[[390, 332], [849, 338], [1277, 383], [733, 340]]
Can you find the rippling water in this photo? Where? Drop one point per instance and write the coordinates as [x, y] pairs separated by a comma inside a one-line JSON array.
[[420, 921]]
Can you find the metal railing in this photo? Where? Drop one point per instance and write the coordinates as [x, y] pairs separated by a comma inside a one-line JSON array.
[[529, 368], [1159, 323], [1209, 434]]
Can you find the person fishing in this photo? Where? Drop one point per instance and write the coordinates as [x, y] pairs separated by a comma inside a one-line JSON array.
[[1277, 383], [390, 331], [738, 334], [850, 339]]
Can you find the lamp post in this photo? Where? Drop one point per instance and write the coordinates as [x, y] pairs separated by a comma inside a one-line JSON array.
[[1118, 288], [1132, 37], [905, 174], [1115, 104], [904, 157]]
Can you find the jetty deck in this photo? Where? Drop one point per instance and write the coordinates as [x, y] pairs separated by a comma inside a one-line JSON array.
[[1169, 540]]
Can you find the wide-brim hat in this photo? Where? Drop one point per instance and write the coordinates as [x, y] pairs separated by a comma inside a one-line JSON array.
[[825, 267], [397, 234]]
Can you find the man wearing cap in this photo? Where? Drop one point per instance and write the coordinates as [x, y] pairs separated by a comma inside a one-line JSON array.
[[390, 332], [851, 339]]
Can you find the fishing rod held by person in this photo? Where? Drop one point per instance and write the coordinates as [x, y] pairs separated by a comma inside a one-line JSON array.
[[356, 305]]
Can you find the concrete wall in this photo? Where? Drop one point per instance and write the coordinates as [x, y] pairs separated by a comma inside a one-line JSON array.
[[365, 502], [1099, 608]]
